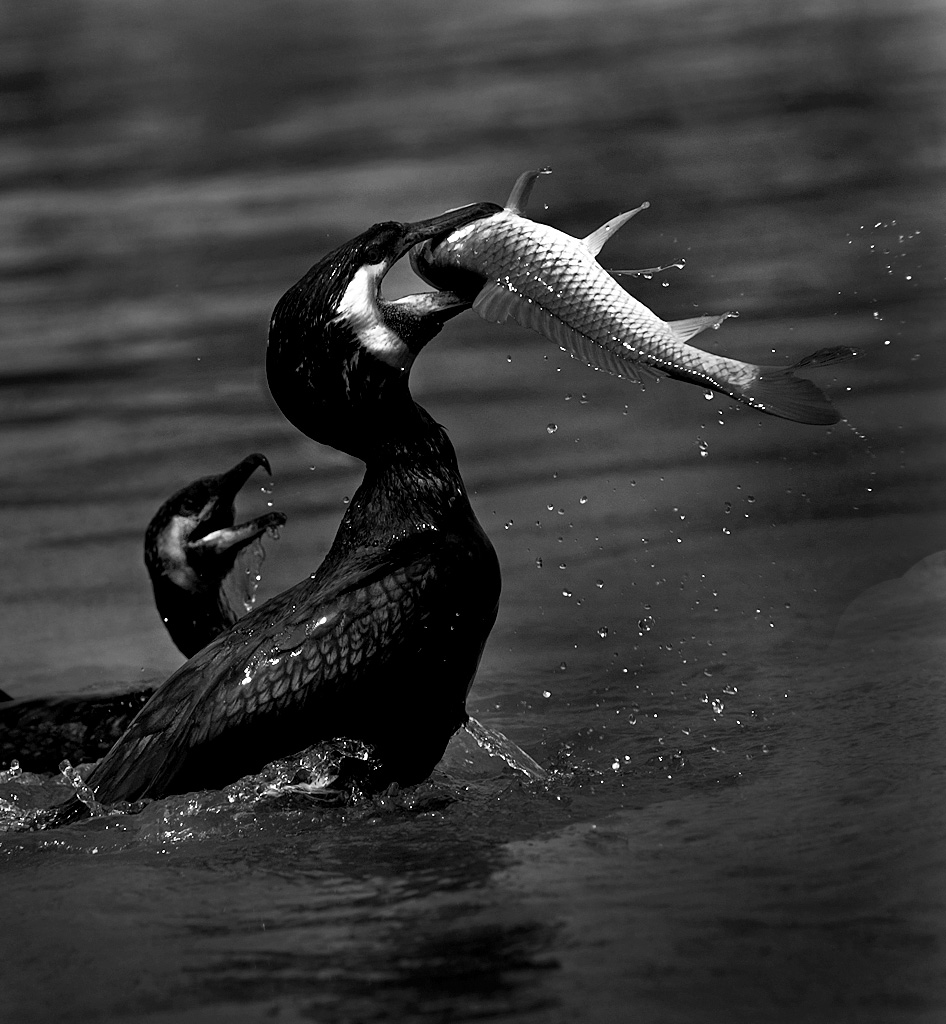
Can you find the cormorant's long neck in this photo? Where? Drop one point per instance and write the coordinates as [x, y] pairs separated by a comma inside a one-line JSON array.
[[412, 484]]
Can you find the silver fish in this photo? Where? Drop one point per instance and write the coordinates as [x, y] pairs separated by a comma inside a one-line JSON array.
[[552, 283]]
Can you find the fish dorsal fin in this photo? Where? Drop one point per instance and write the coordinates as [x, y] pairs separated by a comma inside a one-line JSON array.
[[683, 330], [519, 196], [499, 304], [595, 241]]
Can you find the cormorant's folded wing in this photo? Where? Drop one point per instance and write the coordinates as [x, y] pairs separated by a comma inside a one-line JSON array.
[[272, 662]]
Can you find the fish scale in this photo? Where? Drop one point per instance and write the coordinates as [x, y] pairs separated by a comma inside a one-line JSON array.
[[513, 269]]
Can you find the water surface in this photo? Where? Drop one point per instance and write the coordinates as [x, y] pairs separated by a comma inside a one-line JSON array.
[[723, 630]]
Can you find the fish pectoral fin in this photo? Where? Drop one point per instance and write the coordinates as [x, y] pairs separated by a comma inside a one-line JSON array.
[[683, 330], [497, 304], [519, 196], [595, 241]]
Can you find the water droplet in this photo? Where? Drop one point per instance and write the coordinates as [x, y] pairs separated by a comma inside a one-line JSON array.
[[599, 583], [566, 593], [546, 694], [507, 524], [538, 563], [646, 624], [704, 448], [603, 632], [717, 705], [583, 500], [552, 427], [708, 395]]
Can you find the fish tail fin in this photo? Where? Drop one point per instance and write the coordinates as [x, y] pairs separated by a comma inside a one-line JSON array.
[[778, 391], [826, 356]]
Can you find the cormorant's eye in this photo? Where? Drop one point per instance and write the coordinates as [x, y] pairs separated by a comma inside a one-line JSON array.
[[373, 255]]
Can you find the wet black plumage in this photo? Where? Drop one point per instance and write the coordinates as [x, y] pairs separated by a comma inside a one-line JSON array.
[[381, 643]]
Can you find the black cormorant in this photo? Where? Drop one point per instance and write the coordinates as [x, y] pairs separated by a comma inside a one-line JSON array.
[[381, 643]]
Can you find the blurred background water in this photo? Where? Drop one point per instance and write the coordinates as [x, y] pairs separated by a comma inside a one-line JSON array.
[[726, 628]]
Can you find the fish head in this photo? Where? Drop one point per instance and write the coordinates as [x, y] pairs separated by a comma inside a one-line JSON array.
[[440, 259]]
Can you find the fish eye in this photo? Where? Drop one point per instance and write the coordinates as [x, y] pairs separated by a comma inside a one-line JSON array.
[[373, 254]]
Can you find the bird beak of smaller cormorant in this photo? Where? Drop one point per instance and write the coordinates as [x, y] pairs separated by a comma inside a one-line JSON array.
[[233, 480], [210, 534]]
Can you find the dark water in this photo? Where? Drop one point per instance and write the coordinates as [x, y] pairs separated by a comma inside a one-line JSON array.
[[749, 822]]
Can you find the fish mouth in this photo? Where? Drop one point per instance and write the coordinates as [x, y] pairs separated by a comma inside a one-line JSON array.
[[463, 283]]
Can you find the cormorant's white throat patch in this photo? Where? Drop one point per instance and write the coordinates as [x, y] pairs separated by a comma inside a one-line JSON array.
[[359, 309]]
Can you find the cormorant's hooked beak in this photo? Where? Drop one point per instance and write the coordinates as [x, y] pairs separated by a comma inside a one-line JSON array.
[[210, 536], [231, 483], [425, 230]]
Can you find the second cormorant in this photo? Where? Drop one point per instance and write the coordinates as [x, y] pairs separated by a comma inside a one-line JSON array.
[[203, 570]]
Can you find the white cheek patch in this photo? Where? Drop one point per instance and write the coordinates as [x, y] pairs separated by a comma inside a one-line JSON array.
[[359, 309], [172, 555]]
